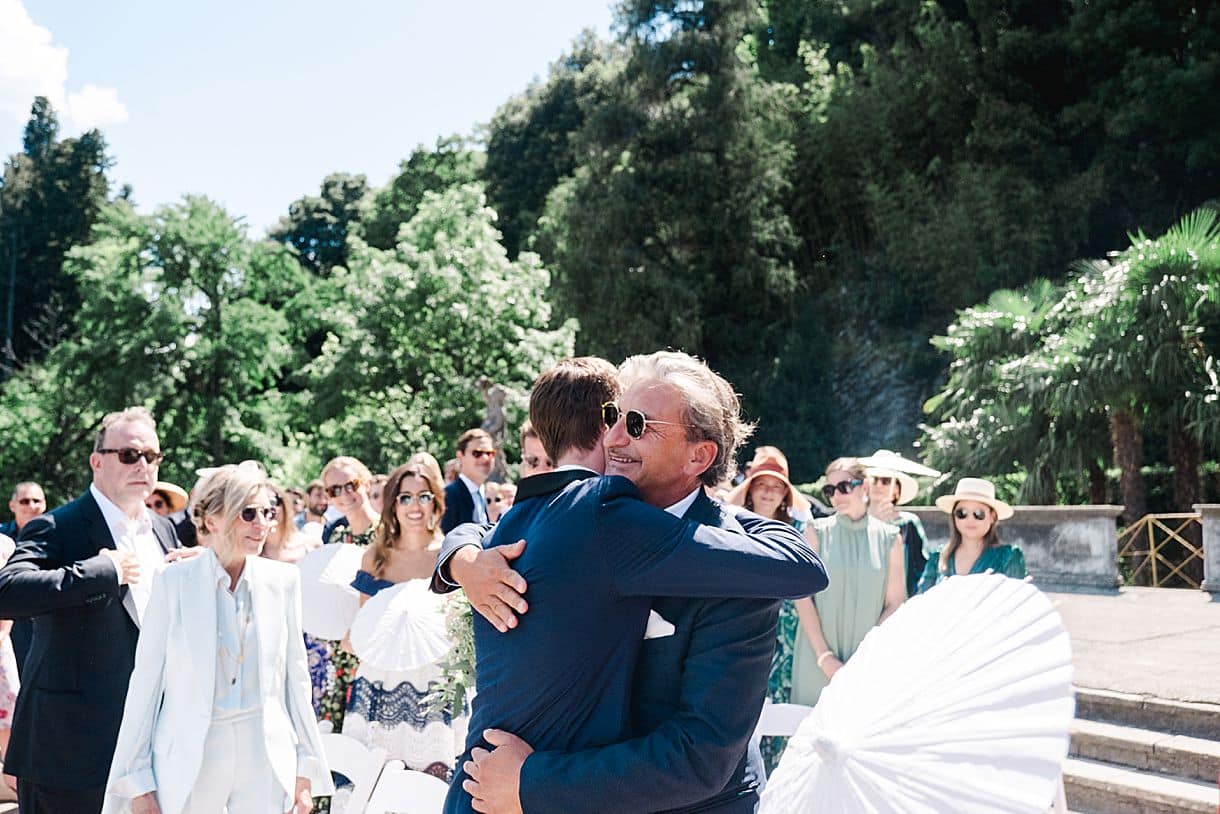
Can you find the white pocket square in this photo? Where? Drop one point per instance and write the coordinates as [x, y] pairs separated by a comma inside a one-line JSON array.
[[657, 628]]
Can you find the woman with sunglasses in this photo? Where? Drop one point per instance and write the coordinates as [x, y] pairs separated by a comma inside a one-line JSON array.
[[346, 481], [285, 542], [387, 708], [974, 545], [864, 557], [218, 714]]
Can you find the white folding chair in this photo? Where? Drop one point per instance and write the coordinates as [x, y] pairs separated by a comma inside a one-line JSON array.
[[400, 790], [355, 761], [781, 720]]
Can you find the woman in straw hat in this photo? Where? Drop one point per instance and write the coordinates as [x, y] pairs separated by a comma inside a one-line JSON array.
[[887, 490], [974, 546], [865, 557]]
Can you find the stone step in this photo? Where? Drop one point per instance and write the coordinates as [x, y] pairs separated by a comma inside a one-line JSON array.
[[1100, 788], [1199, 720], [1177, 755]]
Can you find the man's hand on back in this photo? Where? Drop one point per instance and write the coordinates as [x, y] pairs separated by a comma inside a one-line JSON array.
[[495, 777], [494, 589]]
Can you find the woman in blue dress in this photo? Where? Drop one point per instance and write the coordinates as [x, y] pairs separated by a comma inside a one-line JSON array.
[[389, 708], [974, 545]]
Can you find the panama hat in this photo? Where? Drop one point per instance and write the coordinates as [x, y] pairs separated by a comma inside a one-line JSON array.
[[907, 487], [886, 459], [980, 491], [768, 462], [176, 495]]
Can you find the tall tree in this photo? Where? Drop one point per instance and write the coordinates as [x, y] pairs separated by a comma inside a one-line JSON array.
[[454, 162], [50, 196], [317, 226]]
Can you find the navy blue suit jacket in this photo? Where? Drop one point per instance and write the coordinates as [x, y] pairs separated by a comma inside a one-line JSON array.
[[595, 558], [75, 677], [459, 506], [695, 701]]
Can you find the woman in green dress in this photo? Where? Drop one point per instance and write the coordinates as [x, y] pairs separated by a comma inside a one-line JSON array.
[[865, 560], [974, 546]]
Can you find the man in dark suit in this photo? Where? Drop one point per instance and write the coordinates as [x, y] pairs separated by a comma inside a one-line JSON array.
[[28, 502], [464, 500], [84, 573], [672, 441]]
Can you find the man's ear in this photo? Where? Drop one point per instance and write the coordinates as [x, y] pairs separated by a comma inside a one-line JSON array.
[[702, 456]]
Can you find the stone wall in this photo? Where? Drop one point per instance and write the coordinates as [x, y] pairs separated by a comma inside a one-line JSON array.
[[1070, 548]]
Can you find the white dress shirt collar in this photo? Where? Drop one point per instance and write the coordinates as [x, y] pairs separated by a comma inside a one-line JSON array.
[[118, 521], [680, 508]]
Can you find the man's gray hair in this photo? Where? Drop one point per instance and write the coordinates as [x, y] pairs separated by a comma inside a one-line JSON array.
[[710, 405], [25, 484], [138, 414]]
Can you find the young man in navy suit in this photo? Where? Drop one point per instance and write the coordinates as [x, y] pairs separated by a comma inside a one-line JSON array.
[[684, 713], [464, 499], [84, 573]]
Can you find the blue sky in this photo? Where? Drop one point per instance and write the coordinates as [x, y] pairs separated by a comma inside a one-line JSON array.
[[252, 104]]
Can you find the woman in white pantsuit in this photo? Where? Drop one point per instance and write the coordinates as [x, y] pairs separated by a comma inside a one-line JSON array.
[[219, 712]]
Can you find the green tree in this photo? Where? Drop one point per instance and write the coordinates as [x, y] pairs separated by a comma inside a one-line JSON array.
[[317, 226], [453, 163], [50, 195], [421, 324], [176, 314]]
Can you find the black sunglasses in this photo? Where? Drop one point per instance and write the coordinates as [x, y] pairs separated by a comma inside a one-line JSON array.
[[479, 453], [842, 487], [250, 512], [424, 498], [349, 487], [884, 480], [129, 455], [636, 422], [26, 501], [979, 514]]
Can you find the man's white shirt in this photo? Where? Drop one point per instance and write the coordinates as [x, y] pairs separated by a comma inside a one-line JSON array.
[[133, 535]]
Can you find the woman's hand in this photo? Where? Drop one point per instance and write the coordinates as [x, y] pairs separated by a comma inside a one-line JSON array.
[[302, 800], [145, 804], [830, 665]]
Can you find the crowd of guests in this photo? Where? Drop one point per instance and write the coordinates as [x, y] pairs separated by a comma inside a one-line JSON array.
[[251, 530]]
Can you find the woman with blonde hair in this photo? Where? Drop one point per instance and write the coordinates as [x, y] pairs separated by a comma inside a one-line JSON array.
[[285, 542], [974, 545], [387, 708], [866, 558], [218, 714]]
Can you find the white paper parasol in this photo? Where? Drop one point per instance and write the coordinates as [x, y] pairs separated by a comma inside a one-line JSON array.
[[885, 459], [960, 702], [401, 628], [329, 602]]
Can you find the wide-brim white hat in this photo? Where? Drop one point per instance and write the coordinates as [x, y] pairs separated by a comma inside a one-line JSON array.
[[175, 494], [907, 487], [979, 490], [887, 459]]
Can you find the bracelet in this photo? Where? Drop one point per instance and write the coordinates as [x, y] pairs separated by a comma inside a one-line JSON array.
[[824, 656]]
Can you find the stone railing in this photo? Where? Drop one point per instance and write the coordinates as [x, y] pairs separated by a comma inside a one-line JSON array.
[[1209, 517], [1066, 547]]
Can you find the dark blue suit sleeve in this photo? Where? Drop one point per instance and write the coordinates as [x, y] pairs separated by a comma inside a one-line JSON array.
[[653, 553], [692, 756], [464, 535], [42, 576]]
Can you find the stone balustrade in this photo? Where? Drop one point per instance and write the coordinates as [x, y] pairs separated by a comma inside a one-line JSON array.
[[1073, 548], [1209, 517]]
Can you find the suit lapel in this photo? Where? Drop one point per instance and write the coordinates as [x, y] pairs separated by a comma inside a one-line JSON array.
[[165, 535], [266, 614], [197, 609], [703, 511], [101, 538]]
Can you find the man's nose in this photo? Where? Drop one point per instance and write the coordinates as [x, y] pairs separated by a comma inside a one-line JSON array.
[[616, 435]]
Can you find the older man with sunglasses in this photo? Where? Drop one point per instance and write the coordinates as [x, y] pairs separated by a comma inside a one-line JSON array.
[[84, 573], [606, 575]]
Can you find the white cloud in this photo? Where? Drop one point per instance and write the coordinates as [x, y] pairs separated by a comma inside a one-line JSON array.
[[31, 64]]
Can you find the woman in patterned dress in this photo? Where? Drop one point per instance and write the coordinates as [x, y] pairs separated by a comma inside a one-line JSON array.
[[346, 481], [388, 709]]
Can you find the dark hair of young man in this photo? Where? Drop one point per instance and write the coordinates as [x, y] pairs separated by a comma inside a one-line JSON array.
[[566, 404]]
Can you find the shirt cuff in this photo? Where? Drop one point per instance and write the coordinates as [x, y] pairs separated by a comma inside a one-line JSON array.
[[134, 784]]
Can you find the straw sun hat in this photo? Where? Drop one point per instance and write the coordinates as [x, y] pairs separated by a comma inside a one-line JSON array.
[[980, 491], [768, 462], [176, 495]]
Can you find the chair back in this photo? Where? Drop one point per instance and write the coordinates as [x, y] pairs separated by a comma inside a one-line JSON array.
[[781, 720], [358, 763], [403, 791]]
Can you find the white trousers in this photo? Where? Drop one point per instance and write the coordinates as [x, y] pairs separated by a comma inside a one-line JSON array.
[[236, 775]]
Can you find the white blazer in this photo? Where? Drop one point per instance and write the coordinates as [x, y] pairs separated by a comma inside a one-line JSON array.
[[170, 697]]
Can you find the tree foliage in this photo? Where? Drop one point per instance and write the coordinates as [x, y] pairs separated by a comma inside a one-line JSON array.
[[317, 226]]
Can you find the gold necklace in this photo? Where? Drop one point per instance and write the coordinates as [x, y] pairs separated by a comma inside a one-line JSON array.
[[240, 658]]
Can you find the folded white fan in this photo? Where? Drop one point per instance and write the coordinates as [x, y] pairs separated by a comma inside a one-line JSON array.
[[960, 702], [329, 602], [401, 628]]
